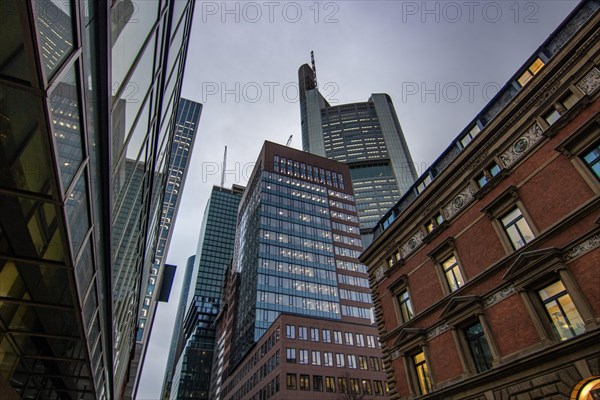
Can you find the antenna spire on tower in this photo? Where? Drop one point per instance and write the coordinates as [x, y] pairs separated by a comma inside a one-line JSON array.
[[314, 67], [223, 168]]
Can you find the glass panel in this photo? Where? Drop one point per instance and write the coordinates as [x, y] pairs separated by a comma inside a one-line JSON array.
[[13, 60], [84, 270], [34, 282], [55, 28], [494, 170], [592, 159], [552, 117], [30, 229], [38, 319], [523, 79], [49, 347], [536, 66], [25, 161], [64, 105], [569, 100], [552, 290], [572, 315], [77, 213], [131, 24]]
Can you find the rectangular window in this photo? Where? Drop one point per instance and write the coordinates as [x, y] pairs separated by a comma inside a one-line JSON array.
[[452, 273], [360, 340], [317, 383], [314, 334], [330, 384], [328, 359], [552, 116], [422, 373], [371, 341], [569, 100], [290, 355], [532, 70], [561, 310], [303, 356], [517, 229], [339, 360], [406, 311], [349, 339], [326, 336], [302, 333], [351, 361], [592, 160], [316, 357], [375, 364], [290, 381], [337, 337], [342, 385], [354, 386], [304, 382], [362, 362], [366, 385], [290, 331], [378, 388], [478, 345]]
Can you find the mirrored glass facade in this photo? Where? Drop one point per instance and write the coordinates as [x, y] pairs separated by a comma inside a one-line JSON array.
[[83, 169]]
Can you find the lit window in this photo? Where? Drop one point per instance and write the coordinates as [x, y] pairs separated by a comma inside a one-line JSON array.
[[452, 273], [302, 333], [303, 357], [360, 340], [517, 229], [354, 386], [339, 360], [371, 341], [533, 69], [592, 160], [290, 381], [434, 222], [478, 345], [349, 339], [366, 384], [330, 384], [316, 357], [342, 385], [375, 364], [406, 311], [422, 371], [351, 361], [363, 363], [304, 382], [378, 388], [328, 359], [561, 310]]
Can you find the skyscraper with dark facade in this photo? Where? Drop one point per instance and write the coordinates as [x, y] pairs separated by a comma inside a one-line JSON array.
[[186, 126], [192, 371], [367, 137], [297, 298], [87, 98]]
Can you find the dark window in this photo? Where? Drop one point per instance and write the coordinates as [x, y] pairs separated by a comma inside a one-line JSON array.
[[317, 383], [592, 159], [480, 350]]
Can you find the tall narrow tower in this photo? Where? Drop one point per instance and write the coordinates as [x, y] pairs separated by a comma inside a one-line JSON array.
[[367, 137]]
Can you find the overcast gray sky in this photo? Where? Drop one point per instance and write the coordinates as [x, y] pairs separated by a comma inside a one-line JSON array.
[[440, 62]]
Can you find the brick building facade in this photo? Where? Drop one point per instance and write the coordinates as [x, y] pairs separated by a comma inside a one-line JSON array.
[[486, 275]]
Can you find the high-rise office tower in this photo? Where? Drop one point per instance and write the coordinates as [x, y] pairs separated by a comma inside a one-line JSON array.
[[186, 126], [297, 300], [87, 98], [367, 137], [189, 376]]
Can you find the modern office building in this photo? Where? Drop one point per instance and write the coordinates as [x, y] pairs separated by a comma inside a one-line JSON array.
[[367, 137], [485, 275], [186, 126], [190, 374], [295, 286], [87, 98]]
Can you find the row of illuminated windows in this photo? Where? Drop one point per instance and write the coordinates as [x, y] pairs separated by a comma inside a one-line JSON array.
[[352, 241], [307, 171], [351, 266], [304, 230], [353, 280], [295, 241], [300, 270], [352, 386], [355, 296], [296, 285], [276, 178], [560, 312], [338, 226], [298, 255], [301, 356], [329, 336], [294, 216], [280, 301], [344, 216], [304, 193], [341, 205], [340, 195], [342, 251], [297, 204]]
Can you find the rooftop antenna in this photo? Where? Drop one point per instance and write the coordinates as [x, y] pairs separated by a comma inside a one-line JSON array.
[[223, 168], [314, 67], [289, 141]]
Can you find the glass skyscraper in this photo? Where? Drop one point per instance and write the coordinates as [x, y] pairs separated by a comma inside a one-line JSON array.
[[190, 376], [87, 98], [368, 138]]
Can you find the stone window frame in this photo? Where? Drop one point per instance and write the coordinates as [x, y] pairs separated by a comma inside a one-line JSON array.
[[557, 104], [410, 342], [441, 253], [533, 270], [576, 145], [397, 287], [460, 313], [437, 227], [492, 181], [499, 208]]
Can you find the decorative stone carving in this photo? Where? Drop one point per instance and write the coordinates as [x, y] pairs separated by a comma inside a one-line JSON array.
[[412, 243], [522, 145], [583, 248], [461, 199], [500, 295], [395, 354], [379, 273], [590, 82], [437, 331]]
